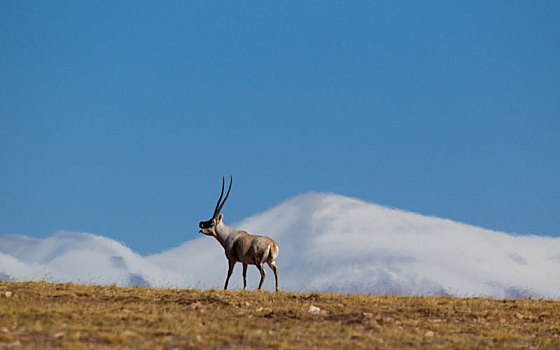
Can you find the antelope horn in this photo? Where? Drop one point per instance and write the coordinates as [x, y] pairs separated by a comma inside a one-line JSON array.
[[219, 208], [219, 199]]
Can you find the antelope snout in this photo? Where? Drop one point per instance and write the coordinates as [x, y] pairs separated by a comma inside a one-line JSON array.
[[201, 224]]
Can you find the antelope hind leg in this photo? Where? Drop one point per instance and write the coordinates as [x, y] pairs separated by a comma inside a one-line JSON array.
[[275, 269], [244, 276], [263, 274]]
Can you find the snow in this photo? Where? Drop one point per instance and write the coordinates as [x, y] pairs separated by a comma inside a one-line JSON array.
[[327, 242]]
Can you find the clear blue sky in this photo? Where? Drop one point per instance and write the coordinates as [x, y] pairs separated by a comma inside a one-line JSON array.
[[119, 119]]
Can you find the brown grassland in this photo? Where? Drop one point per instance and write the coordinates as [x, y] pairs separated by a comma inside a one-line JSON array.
[[41, 315]]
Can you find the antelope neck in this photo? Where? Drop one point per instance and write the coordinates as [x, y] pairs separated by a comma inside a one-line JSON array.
[[223, 231]]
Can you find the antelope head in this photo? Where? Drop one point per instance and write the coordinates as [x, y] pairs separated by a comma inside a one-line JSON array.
[[209, 227]]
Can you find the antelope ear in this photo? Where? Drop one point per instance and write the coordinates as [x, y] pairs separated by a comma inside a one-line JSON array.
[[220, 217]]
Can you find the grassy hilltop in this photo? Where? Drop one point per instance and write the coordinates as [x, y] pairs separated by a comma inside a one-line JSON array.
[[39, 315]]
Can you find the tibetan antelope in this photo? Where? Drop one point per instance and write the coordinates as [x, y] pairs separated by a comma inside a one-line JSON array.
[[240, 245]]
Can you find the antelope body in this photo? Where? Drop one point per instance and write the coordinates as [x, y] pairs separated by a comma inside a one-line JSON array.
[[241, 246]]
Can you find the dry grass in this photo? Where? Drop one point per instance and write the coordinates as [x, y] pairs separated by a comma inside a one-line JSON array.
[[39, 315]]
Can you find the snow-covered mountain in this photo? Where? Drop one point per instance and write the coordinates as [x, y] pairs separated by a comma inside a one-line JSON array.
[[327, 243]]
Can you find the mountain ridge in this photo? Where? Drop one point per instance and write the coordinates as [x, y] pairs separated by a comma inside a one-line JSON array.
[[328, 242]]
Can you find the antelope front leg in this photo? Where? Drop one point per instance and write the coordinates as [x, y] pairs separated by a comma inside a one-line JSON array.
[[244, 276], [230, 270]]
